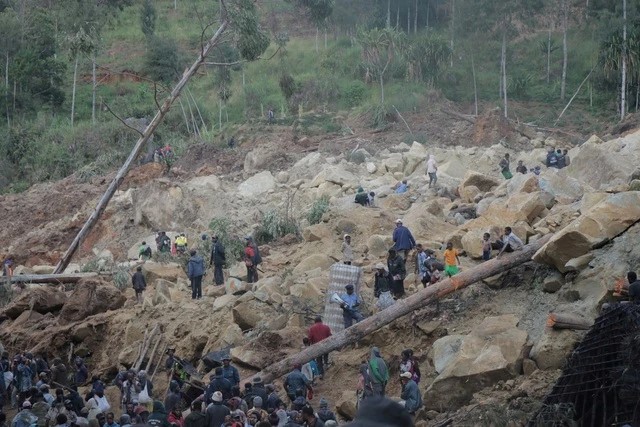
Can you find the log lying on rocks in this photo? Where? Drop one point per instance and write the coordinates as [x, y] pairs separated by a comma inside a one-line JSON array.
[[48, 278], [568, 321], [403, 307]]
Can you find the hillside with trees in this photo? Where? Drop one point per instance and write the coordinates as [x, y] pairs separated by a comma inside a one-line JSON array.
[[73, 71]]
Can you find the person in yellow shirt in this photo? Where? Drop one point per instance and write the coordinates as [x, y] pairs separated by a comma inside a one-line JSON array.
[[181, 243], [451, 260]]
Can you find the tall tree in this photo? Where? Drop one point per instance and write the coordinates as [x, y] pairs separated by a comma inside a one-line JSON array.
[[148, 18], [379, 48], [565, 17]]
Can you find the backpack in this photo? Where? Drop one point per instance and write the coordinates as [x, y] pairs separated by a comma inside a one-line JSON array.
[[256, 259]]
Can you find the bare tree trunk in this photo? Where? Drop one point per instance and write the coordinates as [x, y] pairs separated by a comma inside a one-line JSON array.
[[388, 13], [381, 89], [408, 19], [325, 38], [317, 31], [563, 84], [148, 132], [93, 89], [397, 18], [73, 90], [549, 57], [504, 74], [6, 87], [415, 18], [401, 308], [475, 87], [428, 13], [184, 115], [48, 278], [623, 85], [453, 18]]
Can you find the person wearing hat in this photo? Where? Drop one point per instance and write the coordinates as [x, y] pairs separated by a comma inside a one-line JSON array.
[[216, 411], [229, 371], [411, 397], [382, 287], [324, 413], [347, 250], [403, 240], [258, 389], [318, 332], [24, 418], [257, 408], [350, 304], [159, 417], [381, 412], [195, 271], [398, 272], [273, 401], [218, 259], [310, 419]]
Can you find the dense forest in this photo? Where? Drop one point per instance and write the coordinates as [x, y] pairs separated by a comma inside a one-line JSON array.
[[73, 70]]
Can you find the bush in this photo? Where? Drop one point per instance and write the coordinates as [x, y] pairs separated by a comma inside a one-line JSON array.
[[162, 61], [275, 225], [318, 208], [233, 245], [355, 93]]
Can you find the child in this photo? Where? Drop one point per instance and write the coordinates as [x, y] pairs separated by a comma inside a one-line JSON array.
[[486, 246], [451, 260], [347, 250]]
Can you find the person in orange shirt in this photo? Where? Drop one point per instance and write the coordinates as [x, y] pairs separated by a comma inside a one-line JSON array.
[[451, 260]]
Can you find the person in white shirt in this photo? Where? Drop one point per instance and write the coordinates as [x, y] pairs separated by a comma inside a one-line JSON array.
[[510, 241], [432, 169]]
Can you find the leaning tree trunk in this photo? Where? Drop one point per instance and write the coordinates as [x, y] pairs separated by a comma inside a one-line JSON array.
[[402, 308], [504, 75], [148, 132], [73, 90]]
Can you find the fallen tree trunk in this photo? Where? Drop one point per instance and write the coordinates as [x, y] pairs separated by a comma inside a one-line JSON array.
[[403, 307], [48, 278], [568, 321], [144, 137]]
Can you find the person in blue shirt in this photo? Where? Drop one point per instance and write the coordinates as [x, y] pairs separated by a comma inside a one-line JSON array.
[[350, 307], [402, 187], [229, 371], [403, 240]]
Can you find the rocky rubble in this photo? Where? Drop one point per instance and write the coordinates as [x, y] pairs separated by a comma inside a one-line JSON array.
[[593, 217]]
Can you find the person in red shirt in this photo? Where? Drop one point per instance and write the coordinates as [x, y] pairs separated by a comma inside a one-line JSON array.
[[317, 333]]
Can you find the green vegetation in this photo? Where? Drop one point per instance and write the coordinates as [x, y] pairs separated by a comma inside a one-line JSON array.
[[233, 244], [318, 208], [368, 58]]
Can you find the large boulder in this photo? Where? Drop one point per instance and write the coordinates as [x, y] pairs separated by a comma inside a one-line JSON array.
[[444, 350], [204, 184], [316, 233], [483, 182], [312, 262], [379, 245], [42, 299], [553, 348], [601, 164], [171, 271], [523, 183], [394, 163], [336, 175], [593, 228], [235, 286], [91, 297], [162, 294], [248, 314], [257, 185], [492, 352], [346, 406], [414, 157], [561, 186]]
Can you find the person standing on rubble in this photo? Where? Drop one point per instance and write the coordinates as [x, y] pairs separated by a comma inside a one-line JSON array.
[[378, 372], [139, 284], [403, 240], [504, 167], [398, 272], [218, 259], [318, 332], [195, 271], [432, 170]]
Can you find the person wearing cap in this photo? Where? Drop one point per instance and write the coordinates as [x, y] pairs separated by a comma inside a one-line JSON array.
[[218, 259], [296, 383], [196, 418], [195, 271], [324, 413], [159, 416], [382, 287], [381, 412], [125, 420], [273, 401], [350, 304], [397, 271], [403, 240], [318, 332], [24, 418], [411, 397], [216, 411], [257, 408], [347, 250], [229, 371]]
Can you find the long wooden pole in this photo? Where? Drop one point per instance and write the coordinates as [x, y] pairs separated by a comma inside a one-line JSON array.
[[48, 278], [403, 307], [148, 132]]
